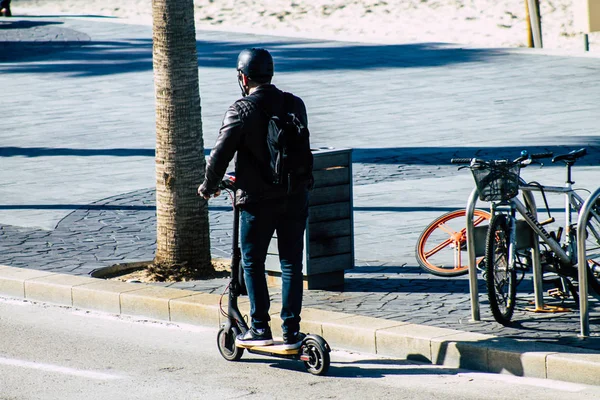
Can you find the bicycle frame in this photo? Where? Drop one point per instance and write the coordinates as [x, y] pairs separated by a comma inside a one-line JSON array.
[[536, 226], [573, 202]]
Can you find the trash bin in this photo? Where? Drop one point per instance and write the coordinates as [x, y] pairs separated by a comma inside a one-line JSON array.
[[329, 237]]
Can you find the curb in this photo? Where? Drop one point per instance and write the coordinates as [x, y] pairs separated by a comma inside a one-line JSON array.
[[439, 346]]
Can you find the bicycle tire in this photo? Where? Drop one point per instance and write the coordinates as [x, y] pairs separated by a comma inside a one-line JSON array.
[[501, 279], [436, 245]]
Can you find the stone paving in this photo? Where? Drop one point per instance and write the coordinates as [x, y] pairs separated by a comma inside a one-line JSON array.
[[77, 151]]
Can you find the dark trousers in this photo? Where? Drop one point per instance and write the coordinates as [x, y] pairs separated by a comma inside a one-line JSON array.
[[259, 221]]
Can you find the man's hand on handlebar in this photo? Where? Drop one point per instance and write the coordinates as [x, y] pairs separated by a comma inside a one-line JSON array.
[[206, 195]]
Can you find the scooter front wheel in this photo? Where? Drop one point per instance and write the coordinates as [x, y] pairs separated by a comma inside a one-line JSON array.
[[226, 343], [315, 356]]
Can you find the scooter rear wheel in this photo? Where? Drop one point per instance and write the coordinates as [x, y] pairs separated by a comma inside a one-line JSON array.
[[316, 357], [226, 344]]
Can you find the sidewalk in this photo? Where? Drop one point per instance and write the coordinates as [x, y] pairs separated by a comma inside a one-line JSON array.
[[78, 144]]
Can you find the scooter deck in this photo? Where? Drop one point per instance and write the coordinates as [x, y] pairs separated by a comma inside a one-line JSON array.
[[275, 348]]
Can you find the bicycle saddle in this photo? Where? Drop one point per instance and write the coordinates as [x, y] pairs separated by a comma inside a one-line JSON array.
[[570, 157]]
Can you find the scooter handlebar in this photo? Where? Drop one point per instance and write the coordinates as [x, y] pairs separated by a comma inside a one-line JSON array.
[[228, 182]]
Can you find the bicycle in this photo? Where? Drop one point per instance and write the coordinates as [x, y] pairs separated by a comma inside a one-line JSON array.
[[439, 247], [499, 182]]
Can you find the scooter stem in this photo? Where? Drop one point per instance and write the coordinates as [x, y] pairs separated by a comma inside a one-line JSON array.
[[237, 286]]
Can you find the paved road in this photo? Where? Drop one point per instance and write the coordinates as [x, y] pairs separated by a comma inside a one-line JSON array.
[[78, 144], [78, 355]]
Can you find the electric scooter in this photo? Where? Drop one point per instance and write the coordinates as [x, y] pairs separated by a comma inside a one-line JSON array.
[[314, 351]]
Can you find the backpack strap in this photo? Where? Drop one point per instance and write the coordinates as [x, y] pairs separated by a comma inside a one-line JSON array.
[[286, 104], [288, 99]]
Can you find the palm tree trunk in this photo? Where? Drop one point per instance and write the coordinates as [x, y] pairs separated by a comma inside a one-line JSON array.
[[183, 242]]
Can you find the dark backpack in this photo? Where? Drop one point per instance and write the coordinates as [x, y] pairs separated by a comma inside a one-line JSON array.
[[290, 157]]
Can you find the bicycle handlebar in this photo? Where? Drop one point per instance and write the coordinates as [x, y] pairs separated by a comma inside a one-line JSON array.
[[461, 161], [522, 160], [541, 155]]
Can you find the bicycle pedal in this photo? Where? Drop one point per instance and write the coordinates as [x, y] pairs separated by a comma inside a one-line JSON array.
[[548, 309], [557, 293]]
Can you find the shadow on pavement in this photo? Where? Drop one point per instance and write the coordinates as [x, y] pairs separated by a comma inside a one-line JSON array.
[[19, 24], [384, 283], [506, 354], [94, 207], [443, 155], [71, 16], [61, 151], [91, 58], [379, 155], [375, 368]]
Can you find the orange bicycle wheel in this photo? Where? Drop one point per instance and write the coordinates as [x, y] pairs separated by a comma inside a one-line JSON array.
[[440, 245]]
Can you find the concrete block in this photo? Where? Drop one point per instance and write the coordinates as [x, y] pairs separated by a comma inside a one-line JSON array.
[[102, 295], [55, 288], [410, 341], [312, 320], [151, 301], [574, 367], [197, 309], [355, 332], [461, 350], [508, 356], [12, 280]]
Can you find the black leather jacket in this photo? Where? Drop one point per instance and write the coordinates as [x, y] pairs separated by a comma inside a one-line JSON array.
[[243, 134]]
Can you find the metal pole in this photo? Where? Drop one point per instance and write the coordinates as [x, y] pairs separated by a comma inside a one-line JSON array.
[[538, 289], [584, 213], [473, 288], [536, 27], [528, 24], [586, 42]]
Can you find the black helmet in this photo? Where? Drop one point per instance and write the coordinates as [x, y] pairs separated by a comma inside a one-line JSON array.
[[256, 64]]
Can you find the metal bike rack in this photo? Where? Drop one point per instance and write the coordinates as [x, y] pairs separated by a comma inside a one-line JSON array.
[[473, 288], [584, 314], [537, 266]]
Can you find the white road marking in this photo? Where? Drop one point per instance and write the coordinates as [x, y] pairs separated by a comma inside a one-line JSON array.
[[58, 369]]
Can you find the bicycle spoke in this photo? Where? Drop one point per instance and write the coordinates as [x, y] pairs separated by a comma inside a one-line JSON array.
[[478, 221], [439, 247], [446, 229]]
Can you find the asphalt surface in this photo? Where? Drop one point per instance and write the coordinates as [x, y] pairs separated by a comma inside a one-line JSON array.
[[83, 358], [76, 189]]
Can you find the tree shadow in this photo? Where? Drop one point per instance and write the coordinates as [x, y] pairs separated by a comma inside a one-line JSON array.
[[438, 156], [92, 207], [20, 24], [71, 16], [10, 151], [443, 155], [92, 58]]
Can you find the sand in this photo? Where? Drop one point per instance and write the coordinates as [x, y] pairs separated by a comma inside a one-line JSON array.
[[484, 23]]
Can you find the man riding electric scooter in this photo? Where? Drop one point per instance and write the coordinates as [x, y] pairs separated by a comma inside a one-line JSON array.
[[266, 205]]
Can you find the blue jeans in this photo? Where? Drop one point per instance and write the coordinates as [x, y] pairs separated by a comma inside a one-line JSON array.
[[258, 222]]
